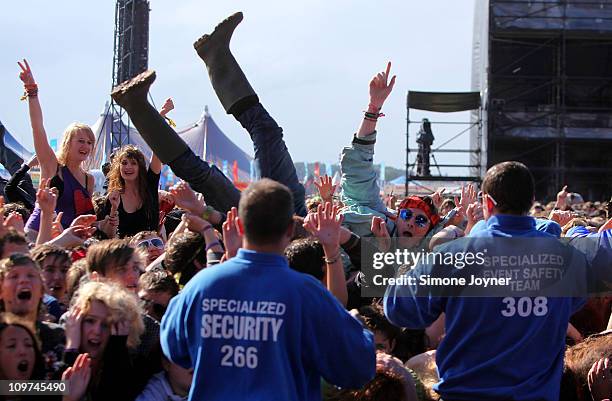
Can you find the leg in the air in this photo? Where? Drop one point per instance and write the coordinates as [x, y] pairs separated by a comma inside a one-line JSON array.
[[239, 99], [217, 189]]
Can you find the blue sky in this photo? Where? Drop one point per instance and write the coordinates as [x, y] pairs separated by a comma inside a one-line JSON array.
[[309, 61]]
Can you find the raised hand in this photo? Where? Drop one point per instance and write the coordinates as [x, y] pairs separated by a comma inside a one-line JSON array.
[[15, 220], [325, 225], [26, 74], [111, 222], [85, 220], [56, 227], [473, 215], [77, 376], [165, 197], [167, 107], [438, 198], [81, 232], [72, 328], [195, 223], [326, 188], [46, 197], [561, 216], [381, 87], [562, 198], [600, 380], [33, 161], [468, 196], [232, 239], [114, 198], [73, 236], [185, 198], [379, 229]]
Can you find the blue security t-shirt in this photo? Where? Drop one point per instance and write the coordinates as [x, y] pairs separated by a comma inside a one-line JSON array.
[[495, 348], [255, 329]]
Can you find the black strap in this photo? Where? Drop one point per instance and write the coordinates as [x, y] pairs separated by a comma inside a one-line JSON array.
[[363, 141]]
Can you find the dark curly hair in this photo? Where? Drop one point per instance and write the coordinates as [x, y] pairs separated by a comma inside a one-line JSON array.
[[306, 256], [116, 182], [181, 251]]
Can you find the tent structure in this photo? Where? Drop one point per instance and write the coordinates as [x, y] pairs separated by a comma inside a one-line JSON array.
[[204, 137], [12, 143], [207, 140], [13, 153], [107, 123]]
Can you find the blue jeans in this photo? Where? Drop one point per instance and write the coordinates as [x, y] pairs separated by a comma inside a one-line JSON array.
[[219, 192], [271, 152]]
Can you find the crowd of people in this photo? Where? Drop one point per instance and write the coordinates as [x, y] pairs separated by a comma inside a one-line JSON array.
[[206, 293]]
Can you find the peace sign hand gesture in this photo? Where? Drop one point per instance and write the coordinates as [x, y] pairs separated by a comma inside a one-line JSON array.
[[26, 74], [381, 87]]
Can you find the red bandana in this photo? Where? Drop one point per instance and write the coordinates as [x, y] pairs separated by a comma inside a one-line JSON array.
[[414, 202]]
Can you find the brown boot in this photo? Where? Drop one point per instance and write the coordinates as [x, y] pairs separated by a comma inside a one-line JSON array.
[[152, 127], [133, 93], [228, 80]]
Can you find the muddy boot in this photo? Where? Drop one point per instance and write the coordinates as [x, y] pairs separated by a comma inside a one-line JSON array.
[[161, 138], [228, 80]]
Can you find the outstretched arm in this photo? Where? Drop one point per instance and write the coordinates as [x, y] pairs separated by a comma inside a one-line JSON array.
[[325, 226], [156, 165], [47, 199], [46, 156], [359, 179], [380, 88]]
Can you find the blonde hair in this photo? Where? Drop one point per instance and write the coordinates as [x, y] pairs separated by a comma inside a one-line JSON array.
[[121, 304], [69, 133]]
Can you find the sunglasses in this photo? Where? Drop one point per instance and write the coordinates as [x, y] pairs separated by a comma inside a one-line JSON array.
[[154, 242], [419, 220]]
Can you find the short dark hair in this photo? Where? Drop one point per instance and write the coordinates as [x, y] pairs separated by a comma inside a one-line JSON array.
[[106, 168], [41, 252], [17, 259], [12, 236], [266, 211], [172, 220], [374, 319], [158, 281], [306, 256], [108, 253], [511, 185]]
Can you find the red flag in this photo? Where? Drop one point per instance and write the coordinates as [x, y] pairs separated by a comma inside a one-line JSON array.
[[317, 171], [235, 170]]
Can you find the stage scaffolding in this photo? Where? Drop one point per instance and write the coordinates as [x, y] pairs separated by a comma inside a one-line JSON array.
[[549, 92]]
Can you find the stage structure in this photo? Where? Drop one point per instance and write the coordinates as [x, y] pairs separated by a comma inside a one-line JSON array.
[[130, 58], [545, 71], [442, 102]]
